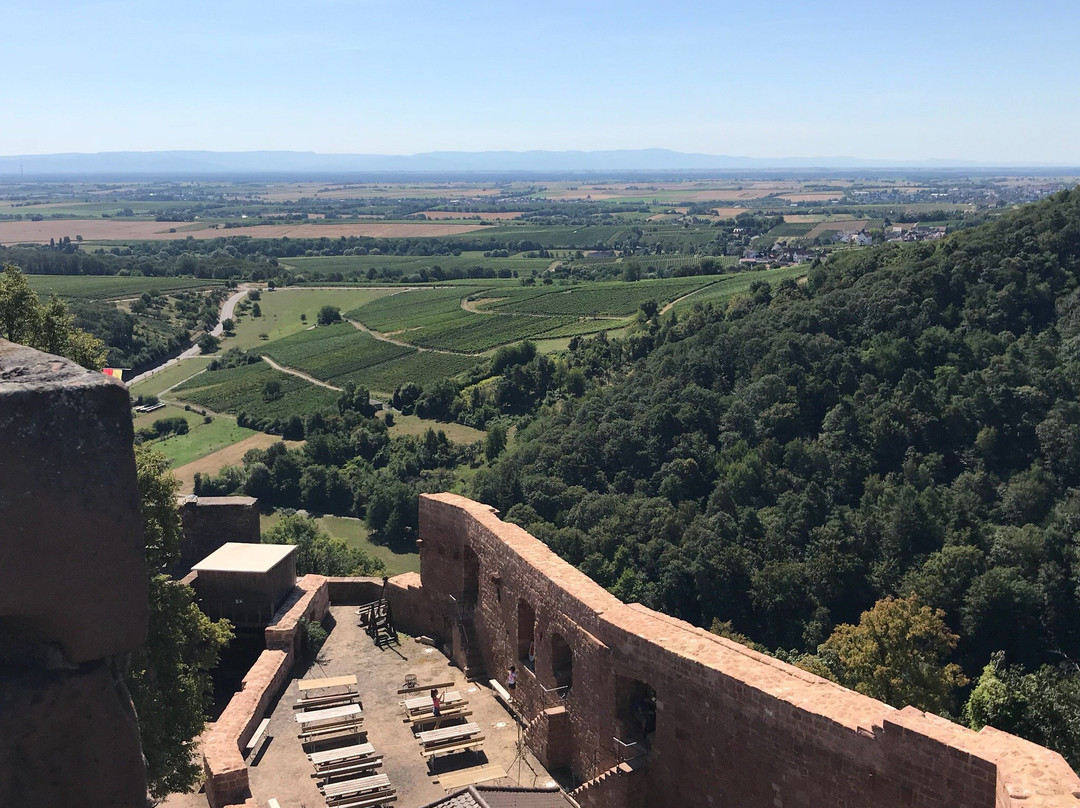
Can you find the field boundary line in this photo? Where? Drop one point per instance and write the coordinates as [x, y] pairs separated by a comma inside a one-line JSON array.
[[670, 305], [383, 338], [299, 374]]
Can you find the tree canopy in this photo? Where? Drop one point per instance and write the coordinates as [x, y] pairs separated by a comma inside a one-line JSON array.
[[318, 552], [169, 677], [48, 327], [904, 422], [897, 653]]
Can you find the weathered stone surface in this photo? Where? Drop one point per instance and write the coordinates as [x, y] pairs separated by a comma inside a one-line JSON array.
[[71, 540], [68, 738], [209, 522]]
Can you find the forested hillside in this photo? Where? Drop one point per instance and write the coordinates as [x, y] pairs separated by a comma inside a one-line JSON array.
[[907, 421]]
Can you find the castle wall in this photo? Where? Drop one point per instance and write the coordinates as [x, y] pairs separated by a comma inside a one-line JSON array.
[[73, 603], [223, 742], [733, 727], [209, 522]]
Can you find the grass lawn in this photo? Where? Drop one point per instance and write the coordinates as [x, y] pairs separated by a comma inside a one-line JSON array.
[[147, 419], [281, 310], [174, 374], [414, 425], [203, 439], [355, 534]]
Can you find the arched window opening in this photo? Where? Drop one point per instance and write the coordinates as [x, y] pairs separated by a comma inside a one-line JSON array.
[[526, 627]]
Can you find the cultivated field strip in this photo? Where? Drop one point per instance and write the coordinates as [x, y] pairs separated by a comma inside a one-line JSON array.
[[340, 353], [243, 389], [106, 287]]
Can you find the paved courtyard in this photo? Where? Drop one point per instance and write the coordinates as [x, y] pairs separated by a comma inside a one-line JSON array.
[[283, 771]]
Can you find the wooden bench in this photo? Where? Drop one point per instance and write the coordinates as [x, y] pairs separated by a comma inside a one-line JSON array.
[[420, 720], [359, 788], [339, 731], [426, 688], [304, 685], [354, 767], [334, 700], [502, 693], [368, 802], [456, 746], [260, 736], [341, 756]]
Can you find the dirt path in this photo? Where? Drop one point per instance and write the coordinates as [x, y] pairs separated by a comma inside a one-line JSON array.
[[668, 307], [384, 338], [227, 309], [299, 374]]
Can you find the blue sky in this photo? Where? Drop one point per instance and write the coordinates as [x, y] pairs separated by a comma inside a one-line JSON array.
[[987, 81]]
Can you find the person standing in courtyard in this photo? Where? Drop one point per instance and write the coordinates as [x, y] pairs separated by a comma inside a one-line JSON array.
[[436, 702], [511, 680]]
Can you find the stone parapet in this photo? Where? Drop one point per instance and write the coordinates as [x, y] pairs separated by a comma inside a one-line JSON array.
[[71, 546], [310, 600], [210, 522], [73, 603], [222, 744]]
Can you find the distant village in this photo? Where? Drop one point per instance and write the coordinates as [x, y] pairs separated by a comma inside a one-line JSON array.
[[784, 253]]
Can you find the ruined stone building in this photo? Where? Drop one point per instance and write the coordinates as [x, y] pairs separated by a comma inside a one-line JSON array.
[[705, 721]]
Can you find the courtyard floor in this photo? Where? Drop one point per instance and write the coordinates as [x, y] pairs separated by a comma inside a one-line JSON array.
[[282, 770]]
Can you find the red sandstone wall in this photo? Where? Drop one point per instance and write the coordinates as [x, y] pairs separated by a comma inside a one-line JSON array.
[[734, 727]]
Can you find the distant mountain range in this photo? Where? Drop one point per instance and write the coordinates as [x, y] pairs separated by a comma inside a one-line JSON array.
[[301, 163]]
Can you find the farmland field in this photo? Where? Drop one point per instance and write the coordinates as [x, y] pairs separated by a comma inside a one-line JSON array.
[[413, 308], [232, 455], [241, 389], [167, 377], [422, 367], [346, 264], [721, 291], [201, 440], [30, 232], [104, 287], [600, 299]]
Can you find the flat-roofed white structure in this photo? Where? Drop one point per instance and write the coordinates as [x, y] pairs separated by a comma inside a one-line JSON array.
[[246, 582]]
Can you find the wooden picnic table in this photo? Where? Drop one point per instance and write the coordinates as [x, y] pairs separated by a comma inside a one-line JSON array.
[[435, 737], [345, 711], [422, 704], [360, 785], [341, 754], [305, 685]]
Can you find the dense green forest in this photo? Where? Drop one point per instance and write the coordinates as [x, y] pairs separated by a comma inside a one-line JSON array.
[[903, 430], [906, 422]]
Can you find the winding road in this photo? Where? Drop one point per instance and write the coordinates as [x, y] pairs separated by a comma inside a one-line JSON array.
[[227, 309]]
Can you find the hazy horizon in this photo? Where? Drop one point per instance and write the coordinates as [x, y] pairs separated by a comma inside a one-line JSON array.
[[976, 84]]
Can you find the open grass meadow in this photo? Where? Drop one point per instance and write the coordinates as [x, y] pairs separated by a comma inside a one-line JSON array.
[[167, 377], [108, 287], [281, 310], [243, 389], [414, 425], [355, 534], [202, 439]]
